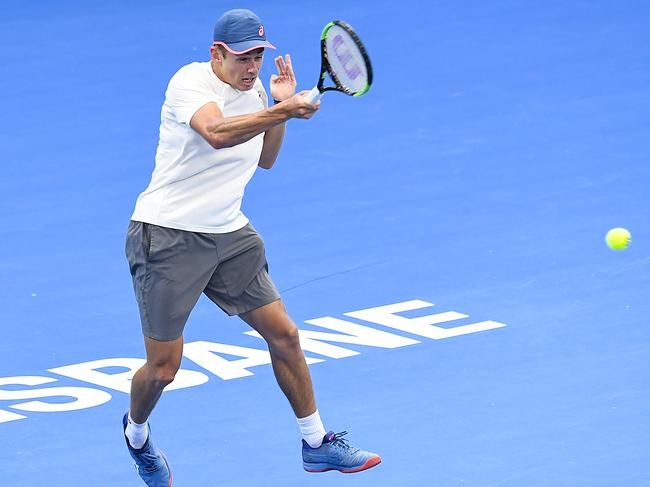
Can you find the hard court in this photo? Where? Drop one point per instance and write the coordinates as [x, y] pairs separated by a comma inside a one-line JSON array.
[[439, 241]]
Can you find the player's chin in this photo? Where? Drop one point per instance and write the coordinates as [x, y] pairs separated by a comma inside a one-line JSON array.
[[246, 83]]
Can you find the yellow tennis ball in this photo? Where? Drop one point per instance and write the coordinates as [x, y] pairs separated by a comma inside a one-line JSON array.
[[618, 238]]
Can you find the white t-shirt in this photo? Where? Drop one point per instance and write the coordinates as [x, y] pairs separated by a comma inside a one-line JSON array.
[[194, 186]]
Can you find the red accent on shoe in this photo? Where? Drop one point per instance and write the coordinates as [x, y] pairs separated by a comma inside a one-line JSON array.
[[369, 464], [168, 468]]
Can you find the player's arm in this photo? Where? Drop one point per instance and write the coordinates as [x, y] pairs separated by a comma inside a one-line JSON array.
[[283, 87], [272, 142], [220, 131]]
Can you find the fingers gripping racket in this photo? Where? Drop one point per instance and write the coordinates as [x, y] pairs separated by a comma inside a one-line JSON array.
[[345, 59]]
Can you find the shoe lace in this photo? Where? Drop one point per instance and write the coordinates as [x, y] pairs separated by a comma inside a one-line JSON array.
[[148, 462], [342, 443]]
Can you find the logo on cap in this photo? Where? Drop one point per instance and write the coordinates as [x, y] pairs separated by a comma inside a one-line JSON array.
[[261, 31]]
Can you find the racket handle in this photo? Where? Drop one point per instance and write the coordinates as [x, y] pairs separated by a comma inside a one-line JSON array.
[[314, 95]]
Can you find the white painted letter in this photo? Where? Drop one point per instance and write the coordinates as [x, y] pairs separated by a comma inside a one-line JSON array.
[[84, 397], [424, 325], [205, 355], [353, 334], [121, 381], [6, 416]]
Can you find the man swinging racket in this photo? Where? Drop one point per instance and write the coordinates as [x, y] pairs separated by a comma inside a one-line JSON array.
[[188, 236]]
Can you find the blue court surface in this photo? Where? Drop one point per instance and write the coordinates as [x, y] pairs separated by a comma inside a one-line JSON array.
[[439, 241]]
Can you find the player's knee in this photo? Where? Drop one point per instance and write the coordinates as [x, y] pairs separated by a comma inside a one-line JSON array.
[[286, 340], [163, 375]]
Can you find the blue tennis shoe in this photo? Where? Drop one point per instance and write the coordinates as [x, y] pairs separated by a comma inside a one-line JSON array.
[[150, 463], [337, 454]]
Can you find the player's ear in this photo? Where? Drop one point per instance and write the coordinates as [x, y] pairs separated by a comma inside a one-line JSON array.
[[215, 54]]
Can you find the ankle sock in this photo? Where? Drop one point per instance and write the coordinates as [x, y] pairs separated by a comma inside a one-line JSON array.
[[312, 429], [136, 433]]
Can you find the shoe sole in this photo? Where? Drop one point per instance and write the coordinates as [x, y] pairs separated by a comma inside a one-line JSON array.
[[326, 467], [168, 467]]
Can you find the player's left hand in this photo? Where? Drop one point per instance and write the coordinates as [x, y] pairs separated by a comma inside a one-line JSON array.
[[283, 84]]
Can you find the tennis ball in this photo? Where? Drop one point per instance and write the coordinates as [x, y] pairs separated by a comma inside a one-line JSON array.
[[618, 238]]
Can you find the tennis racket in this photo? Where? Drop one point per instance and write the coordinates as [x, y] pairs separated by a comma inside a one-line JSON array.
[[345, 59]]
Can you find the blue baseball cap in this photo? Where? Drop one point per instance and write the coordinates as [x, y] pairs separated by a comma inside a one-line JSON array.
[[240, 31]]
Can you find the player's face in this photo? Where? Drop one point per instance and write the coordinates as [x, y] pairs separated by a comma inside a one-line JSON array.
[[241, 70]]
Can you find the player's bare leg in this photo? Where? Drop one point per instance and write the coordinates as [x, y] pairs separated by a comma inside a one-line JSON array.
[[291, 371], [163, 361], [320, 452]]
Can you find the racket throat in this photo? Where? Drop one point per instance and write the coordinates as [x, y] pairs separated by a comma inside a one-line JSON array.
[[314, 95]]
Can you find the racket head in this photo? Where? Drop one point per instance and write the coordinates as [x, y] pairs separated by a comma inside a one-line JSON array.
[[345, 59]]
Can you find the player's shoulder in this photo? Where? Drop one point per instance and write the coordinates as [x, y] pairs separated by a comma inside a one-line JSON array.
[[195, 71]]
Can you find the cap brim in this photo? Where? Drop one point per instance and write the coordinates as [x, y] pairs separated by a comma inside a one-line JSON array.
[[244, 47]]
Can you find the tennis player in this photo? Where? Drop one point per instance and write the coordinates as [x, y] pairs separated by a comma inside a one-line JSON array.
[[188, 236]]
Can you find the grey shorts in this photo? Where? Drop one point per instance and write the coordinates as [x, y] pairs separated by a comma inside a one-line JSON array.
[[171, 268]]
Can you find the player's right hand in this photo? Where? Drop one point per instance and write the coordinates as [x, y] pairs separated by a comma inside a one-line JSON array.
[[298, 106]]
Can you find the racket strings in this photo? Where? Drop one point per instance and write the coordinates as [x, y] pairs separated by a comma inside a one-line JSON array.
[[346, 60]]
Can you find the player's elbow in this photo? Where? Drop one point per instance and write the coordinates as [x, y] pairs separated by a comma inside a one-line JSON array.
[[219, 139], [218, 142], [265, 164]]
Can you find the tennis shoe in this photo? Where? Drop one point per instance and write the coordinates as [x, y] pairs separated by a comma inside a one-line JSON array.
[[150, 463], [337, 454]]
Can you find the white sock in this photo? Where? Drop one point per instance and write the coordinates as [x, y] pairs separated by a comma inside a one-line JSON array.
[[312, 429], [136, 433]]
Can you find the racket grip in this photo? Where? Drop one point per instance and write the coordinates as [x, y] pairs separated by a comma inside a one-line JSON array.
[[314, 95]]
